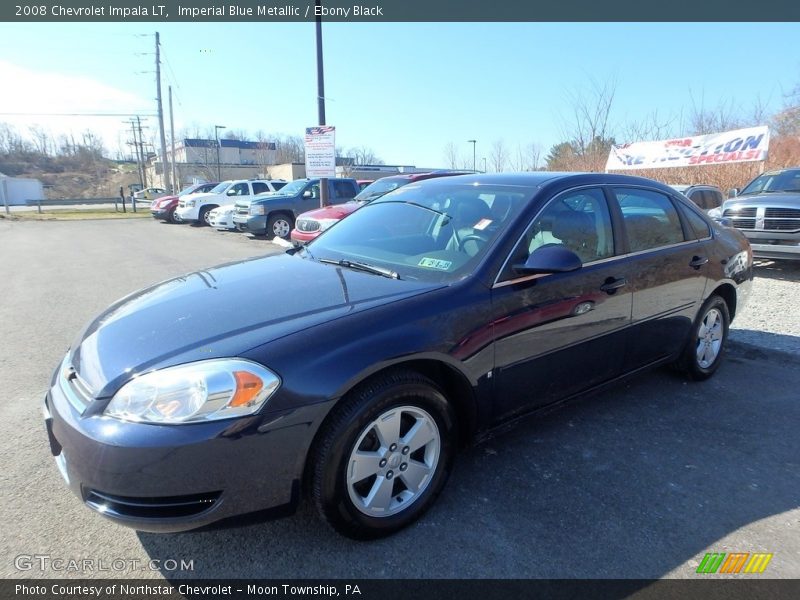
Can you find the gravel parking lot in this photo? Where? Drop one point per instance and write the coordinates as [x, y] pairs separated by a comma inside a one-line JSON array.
[[638, 482]]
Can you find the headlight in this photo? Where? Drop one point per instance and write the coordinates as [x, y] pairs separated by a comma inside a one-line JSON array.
[[256, 209], [207, 390], [326, 223], [190, 203]]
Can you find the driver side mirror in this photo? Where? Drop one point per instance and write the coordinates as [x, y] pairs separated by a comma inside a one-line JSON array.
[[308, 194], [552, 259], [733, 192], [230, 192]]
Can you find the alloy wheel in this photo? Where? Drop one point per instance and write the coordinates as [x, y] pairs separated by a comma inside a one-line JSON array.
[[709, 338]]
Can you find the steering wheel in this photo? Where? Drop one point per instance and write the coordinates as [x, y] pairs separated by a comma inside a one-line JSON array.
[[473, 237]]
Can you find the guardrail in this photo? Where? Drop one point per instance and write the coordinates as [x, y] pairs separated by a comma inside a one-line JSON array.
[[74, 201]]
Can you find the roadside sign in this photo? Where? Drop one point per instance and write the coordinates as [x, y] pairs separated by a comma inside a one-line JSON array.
[[320, 146]]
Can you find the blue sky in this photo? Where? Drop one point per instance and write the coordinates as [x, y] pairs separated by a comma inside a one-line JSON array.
[[403, 89]]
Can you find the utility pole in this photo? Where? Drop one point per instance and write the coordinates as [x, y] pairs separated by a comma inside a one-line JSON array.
[[323, 181], [172, 142], [166, 177], [144, 156]]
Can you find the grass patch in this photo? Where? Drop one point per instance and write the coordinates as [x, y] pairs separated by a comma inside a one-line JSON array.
[[73, 215]]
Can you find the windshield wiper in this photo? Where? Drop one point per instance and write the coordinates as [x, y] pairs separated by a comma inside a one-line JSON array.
[[359, 266]]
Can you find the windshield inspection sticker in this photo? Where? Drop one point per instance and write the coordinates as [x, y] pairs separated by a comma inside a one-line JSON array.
[[435, 263], [482, 224]]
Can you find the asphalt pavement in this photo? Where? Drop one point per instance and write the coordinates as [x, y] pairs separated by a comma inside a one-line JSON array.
[[638, 482]]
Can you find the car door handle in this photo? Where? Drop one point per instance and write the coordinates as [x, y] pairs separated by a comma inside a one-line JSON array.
[[612, 284], [698, 261]]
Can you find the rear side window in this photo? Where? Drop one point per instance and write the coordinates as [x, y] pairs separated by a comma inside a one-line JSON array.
[[342, 191], [697, 224], [259, 187], [651, 220]]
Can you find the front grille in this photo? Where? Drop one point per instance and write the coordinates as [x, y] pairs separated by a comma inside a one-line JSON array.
[[168, 507], [307, 225], [744, 223], [733, 213], [182, 204], [782, 213], [781, 224]]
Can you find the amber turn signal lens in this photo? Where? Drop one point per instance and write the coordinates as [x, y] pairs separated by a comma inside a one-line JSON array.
[[247, 388]]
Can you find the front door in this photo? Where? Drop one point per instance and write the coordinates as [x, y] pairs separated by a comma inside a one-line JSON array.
[[561, 333]]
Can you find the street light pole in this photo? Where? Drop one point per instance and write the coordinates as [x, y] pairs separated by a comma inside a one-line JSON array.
[[473, 142], [216, 136], [484, 164], [323, 181]]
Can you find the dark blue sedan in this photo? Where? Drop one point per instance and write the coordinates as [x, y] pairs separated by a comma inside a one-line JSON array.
[[352, 370]]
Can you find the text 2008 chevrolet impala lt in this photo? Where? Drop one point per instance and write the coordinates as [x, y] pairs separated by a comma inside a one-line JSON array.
[[353, 369]]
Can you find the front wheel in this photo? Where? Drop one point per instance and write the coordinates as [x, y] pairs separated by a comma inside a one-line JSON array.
[[706, 345], [279, 226], [383, 456]]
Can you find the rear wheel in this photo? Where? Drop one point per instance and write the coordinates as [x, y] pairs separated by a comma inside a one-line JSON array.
[[383, 456], [706, 345], [279, 225]]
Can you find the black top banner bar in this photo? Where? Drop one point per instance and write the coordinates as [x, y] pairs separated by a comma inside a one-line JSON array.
[[375, 11]]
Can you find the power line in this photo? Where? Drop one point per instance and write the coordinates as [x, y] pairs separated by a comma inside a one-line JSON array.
[[81, 114]]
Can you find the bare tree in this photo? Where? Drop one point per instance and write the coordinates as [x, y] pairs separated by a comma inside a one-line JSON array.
[[363, 155], [588, 128], [451, 156], [499, 156]]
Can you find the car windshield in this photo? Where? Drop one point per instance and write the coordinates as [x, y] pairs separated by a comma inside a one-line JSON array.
[[781, 181], [435, 233], [293, 188], [379, 188], [221, 187], [192, 189]]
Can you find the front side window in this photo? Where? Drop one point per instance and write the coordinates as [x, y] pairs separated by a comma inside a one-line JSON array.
[[240, 189], [651, 220]]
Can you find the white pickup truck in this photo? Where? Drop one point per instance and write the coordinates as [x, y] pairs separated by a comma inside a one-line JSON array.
[[196, 207]]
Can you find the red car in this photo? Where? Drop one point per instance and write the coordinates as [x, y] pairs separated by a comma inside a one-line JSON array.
[[164, 208], [310, 224]]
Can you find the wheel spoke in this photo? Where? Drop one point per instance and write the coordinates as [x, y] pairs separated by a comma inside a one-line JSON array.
[[418, 436], [388, 428], [708, 356], [363, 465], [380, 496], [415, 475], [701, 350], [701, 332]]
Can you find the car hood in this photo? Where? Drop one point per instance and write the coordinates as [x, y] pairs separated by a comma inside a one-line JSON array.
[[336, 211], [774, 199], [222, 311], [164, 200]]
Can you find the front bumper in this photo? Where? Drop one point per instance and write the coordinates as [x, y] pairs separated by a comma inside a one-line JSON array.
[[300, 238], [164, 478], [253, 223], [187, 213], [774, 244], [160, 213]]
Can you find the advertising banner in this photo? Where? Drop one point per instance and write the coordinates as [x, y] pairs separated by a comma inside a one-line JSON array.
[[740, 145], [320, 146]]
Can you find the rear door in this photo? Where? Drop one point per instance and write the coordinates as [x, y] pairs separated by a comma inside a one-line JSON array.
[[559, 334], [670, 274]]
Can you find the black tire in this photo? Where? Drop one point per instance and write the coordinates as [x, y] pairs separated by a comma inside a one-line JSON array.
[[202, 218], [279, 225], [172, 217], [351, 421], [690, 363]]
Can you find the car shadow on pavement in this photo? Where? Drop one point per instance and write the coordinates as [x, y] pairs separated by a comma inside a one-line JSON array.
[[637, 482], [784, 270]]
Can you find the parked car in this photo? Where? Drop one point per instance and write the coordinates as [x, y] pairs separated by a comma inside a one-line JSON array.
[[310, 224], [274, 215], [767, 211], [150, 194], [439, 313], [164, 208], [222, 217], [197, 208], [707, 197]]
